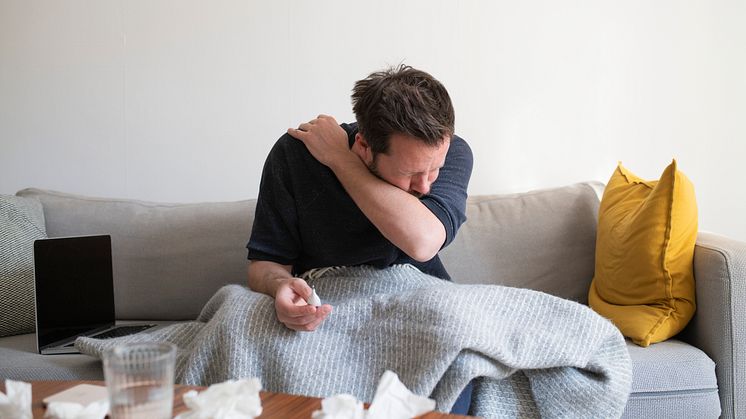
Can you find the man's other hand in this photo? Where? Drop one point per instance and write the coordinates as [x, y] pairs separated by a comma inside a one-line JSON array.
[[292, 309], [324, 138]]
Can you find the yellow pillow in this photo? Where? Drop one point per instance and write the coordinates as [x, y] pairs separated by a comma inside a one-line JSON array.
[[644, 281]]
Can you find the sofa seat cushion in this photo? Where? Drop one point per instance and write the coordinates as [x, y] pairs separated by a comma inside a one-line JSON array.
[[20, 361], [672, 379]]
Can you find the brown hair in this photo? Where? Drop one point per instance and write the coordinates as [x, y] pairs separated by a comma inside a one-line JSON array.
[[402, 100]]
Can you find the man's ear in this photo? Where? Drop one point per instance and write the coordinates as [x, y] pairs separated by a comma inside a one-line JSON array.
[[362, 149]]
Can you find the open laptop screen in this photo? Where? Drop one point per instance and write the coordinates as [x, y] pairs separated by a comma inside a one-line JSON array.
[[74, 286]]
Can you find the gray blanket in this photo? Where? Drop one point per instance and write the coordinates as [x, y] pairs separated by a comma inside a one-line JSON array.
[[533, 354]]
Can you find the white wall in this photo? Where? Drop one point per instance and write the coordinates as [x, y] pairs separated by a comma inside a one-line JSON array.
[[181, 100]]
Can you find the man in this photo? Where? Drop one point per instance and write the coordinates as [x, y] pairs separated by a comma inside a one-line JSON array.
[[390, 189]]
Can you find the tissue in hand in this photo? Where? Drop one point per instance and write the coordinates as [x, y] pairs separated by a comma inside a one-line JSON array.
[[16, 402], [231, 399], [392, 400], [314, 299]]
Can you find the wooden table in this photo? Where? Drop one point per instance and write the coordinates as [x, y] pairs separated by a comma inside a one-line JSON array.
[[275, 405]]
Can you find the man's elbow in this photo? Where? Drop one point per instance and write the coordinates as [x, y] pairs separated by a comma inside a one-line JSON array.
[[251, 276], [426, 248], [422, 255]]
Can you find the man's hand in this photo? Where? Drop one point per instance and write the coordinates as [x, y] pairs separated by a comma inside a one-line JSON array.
[[325, 139], [290, 295], [292, 309]]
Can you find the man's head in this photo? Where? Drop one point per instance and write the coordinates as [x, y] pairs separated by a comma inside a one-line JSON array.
[[405, 121]]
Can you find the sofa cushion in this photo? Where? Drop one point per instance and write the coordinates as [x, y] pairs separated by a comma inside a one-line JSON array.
[[21, 222], [672, 379], [20, 361], [644, 280], [168, 259], [542, 240]]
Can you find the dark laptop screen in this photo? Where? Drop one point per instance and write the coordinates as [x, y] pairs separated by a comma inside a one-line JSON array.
[[74, 286]]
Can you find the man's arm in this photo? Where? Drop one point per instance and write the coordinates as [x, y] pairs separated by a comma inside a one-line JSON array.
[[274, 244], [265, 276], [290, 295], [401, 217]]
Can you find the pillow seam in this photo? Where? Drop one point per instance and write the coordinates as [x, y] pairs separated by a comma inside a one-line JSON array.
[[648, 337], [664, 257]]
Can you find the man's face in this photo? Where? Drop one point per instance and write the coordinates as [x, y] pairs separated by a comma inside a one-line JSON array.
[[409, 164]]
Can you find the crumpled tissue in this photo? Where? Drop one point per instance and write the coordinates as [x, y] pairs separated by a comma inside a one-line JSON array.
[[341, 406], [67, 410], [314, 299], [392, 400], [16, 401], [232, 399]]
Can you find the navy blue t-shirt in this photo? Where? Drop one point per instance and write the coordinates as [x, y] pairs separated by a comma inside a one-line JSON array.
[[306, 219]]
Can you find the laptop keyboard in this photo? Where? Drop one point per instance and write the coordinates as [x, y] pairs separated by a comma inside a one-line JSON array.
[[122, 331], [116, 332]]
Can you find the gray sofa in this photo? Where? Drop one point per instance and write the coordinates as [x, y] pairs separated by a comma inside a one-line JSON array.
[[170, 258]]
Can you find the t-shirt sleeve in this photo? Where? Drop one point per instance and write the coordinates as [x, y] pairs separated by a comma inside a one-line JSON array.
[[275, 235], [447, 197]]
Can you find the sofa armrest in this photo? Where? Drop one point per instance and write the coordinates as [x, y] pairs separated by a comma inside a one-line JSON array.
[[719, 324]]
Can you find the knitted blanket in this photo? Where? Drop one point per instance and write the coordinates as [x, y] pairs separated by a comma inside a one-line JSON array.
[[535, 355]]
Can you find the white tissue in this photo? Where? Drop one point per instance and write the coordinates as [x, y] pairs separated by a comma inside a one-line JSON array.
[[66, 410], [341, 406], [314, 299], [232, 399], [392, 400], [16, 401]]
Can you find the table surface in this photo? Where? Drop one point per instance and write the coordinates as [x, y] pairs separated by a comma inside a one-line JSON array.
[[275, 405]]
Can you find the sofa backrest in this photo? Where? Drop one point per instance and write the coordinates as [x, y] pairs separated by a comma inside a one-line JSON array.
[[543, 240], [169, 259]]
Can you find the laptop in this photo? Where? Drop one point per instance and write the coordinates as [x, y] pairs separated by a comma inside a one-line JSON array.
[[74, 293]]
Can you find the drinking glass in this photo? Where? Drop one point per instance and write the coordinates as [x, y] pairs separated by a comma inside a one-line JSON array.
[[140, 380]]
